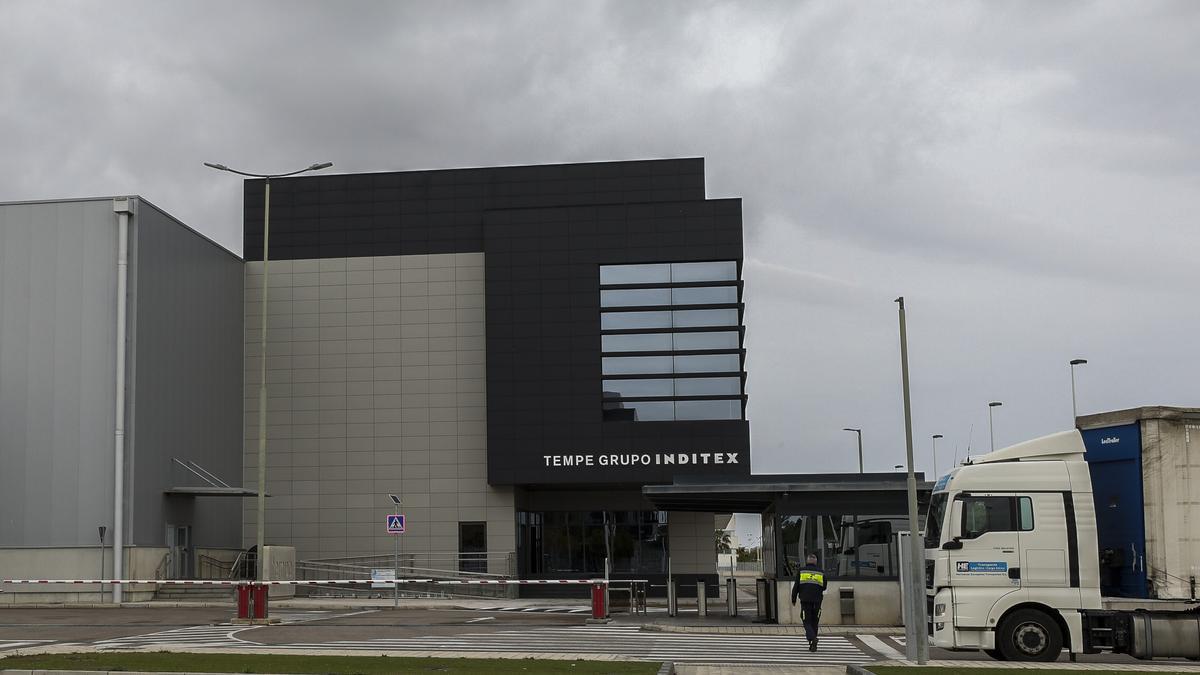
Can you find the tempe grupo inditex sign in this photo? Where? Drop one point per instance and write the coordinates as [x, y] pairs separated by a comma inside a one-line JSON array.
[[642, 459]]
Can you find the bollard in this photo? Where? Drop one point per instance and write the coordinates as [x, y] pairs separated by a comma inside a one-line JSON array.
[[243, 601], [762, 609], [599, 610], [672, 598], [260, 601], [701, 599], [731, 596]]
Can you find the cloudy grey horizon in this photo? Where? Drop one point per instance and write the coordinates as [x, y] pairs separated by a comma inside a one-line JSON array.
[[1025, 174]]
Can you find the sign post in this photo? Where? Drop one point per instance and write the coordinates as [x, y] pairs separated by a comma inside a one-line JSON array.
[[395, 527]]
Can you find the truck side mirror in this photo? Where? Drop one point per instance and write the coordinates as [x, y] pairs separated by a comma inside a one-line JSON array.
[[952, 545]]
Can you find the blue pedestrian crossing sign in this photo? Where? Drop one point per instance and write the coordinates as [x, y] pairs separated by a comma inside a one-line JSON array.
[[395, 523]]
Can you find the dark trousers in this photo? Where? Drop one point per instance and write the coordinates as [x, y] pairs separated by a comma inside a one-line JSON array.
[[810, 614]]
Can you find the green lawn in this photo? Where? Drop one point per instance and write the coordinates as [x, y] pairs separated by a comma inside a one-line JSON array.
[[324, 665], [928, 670]]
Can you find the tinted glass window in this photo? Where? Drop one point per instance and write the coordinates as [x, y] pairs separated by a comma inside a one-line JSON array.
[[635, 297], [722, 340], [651, 411], [627, 365], [704, 295], [705, 317], [638, 342], [635, 274], [708, 410], [708, 386], [1025, 513], [986, 514], [708, 363], [615, 320], [633, 388], [704, 271]]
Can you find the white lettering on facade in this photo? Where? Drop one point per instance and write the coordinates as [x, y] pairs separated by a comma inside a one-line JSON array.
[[640, 459]]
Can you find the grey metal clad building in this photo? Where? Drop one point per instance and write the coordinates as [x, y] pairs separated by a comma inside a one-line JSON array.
[[58, 380]]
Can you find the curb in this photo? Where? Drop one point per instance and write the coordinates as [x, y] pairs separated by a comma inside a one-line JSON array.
[[667, 668], [857, 670]]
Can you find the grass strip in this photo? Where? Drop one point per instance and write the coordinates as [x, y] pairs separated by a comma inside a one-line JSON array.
[[172, 662], [940, 670]]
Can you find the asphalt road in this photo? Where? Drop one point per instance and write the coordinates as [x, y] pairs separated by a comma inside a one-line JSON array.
[[442, 629]]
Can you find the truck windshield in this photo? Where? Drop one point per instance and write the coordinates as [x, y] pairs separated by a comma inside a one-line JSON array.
[[933, 522]]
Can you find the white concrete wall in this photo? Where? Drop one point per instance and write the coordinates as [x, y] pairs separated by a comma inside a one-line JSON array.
[[876, 603], [78, 562], [376, 385]]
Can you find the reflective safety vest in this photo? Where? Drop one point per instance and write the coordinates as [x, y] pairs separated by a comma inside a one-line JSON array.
[[810, 577]]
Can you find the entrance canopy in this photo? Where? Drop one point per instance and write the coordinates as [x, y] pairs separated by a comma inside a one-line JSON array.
[[786, 494]]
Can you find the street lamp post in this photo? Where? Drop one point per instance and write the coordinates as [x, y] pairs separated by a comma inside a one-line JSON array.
[[860, 456], [935, 469], [991, 431], [262, 383], [917, 647], [1074, 410]]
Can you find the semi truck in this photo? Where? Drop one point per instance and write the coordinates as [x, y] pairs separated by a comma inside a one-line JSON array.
[[1081, 540]]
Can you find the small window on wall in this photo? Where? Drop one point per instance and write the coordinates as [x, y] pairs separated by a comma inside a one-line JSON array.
[[472, 547]]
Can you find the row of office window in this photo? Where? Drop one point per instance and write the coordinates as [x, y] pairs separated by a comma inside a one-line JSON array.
[[671, 336]]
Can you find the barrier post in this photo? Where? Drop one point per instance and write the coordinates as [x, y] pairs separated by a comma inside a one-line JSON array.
[[260, 601], [731, 596], [243, 601], [599, 608], [701, 599]]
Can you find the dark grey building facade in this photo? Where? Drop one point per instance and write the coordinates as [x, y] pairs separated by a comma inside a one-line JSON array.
[[515, 350]]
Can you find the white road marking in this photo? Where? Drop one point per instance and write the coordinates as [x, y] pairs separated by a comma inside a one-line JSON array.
[[880, 646], [17, 644], [482, 618]]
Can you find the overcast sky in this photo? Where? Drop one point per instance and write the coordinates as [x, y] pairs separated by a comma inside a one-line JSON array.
[[1027, 175]]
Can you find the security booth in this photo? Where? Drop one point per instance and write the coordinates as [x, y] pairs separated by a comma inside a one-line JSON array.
[[849, 521]]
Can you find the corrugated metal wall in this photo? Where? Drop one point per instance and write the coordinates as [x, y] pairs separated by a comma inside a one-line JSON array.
[[57, 299], [187, 379]]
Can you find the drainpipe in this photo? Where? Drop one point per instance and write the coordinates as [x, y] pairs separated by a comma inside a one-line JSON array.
[[122, 208]]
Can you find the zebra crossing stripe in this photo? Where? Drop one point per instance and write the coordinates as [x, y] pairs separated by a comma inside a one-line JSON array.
[[880, 646], [17, 644]]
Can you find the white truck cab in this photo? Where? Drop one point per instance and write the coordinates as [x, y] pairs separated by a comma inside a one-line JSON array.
[[1003, 541]]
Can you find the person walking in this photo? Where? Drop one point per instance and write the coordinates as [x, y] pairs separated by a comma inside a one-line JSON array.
[[810, 589]]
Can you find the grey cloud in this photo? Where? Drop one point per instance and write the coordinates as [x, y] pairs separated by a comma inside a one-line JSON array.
[[1025, 172]]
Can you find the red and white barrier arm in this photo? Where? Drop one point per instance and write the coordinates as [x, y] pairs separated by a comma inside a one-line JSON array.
[[322, 582]]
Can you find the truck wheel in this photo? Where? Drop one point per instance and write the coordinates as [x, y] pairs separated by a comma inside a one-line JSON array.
[[1029, 635], [995, 654]]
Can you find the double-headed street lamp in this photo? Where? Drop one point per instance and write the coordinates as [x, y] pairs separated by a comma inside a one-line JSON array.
[[1074, 411], [860, 457], [262, 383], [991, 432]]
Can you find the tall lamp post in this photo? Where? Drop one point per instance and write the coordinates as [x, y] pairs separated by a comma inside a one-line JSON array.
[[860, 457], [991, 432], [935, 469], [1074, 410], [917, 647], [262, 383]]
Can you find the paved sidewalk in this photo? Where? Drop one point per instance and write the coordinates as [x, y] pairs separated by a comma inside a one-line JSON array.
[[744, 628], [741, 669]]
